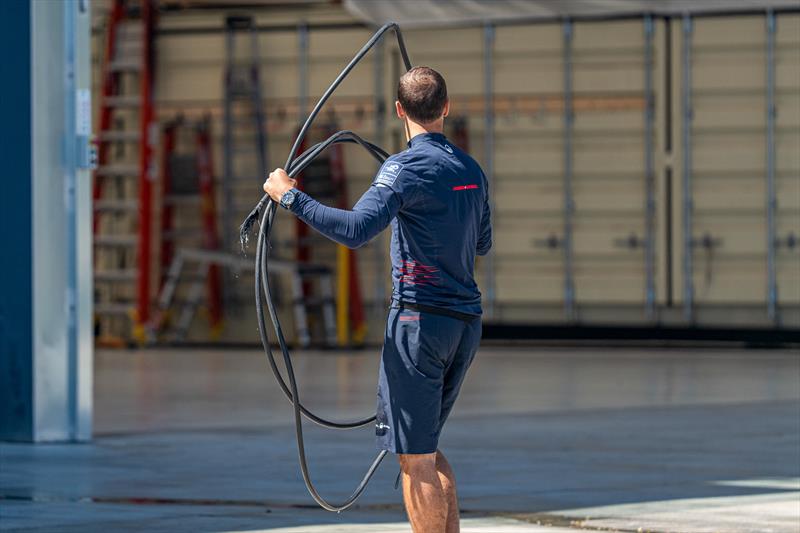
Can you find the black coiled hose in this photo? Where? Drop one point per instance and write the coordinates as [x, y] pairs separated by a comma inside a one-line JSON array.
[[265, 209]]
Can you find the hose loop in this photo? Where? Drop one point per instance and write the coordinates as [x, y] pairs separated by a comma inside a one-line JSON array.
[[265, 211]]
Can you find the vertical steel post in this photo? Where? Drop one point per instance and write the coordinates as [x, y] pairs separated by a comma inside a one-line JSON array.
[[69, 167], [488, 110], [569, 203], [379, 56], [772, 202], [87, 161], [302, 71], [649, 166], [688, 203], [77, 160]]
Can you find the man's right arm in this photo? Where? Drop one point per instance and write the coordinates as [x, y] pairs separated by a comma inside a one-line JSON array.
[[351, 228]]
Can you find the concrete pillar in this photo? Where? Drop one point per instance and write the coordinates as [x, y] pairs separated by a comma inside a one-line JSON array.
[[45, 222]]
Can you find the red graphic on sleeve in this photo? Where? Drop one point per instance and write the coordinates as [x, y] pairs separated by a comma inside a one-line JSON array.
[[415, 273], [465, 187]]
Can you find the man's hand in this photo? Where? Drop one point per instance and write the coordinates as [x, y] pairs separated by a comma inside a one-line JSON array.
[[278, 183]]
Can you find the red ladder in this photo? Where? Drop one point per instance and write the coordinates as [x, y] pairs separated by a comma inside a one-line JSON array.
[[122, 223]]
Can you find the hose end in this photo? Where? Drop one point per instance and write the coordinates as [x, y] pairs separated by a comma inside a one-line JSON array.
[[247, 225]]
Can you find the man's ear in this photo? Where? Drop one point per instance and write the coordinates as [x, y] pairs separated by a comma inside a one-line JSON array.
[[399, 109], [446, 109]]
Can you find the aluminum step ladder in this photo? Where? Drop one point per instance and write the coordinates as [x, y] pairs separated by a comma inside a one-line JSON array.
[[188, 214], [192, 266], [245, 144]]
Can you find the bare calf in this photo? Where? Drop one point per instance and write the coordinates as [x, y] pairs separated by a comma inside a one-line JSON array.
[[429, 492]]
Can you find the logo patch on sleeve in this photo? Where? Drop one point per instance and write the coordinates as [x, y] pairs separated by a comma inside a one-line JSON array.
[[388, 173]]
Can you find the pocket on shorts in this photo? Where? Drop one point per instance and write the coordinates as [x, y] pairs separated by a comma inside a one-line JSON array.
[[418, 334]]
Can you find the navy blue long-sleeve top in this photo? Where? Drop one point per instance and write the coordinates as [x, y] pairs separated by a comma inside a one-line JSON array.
[[436, 198]]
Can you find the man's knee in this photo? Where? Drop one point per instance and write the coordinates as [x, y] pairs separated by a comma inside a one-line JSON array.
[[417, 463]]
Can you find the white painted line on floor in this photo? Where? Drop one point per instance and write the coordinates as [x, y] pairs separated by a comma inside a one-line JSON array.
[[468, 525], [782, 483], [753, 513]]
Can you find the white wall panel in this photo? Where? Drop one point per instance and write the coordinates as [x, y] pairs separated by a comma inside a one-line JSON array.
[[729, 154], [729, 151]]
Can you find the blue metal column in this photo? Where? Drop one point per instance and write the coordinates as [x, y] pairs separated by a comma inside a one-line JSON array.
[[488, 110], [688, 202], [772, 278], [649, 170], [16, 231], [45, 310], [569, 203]]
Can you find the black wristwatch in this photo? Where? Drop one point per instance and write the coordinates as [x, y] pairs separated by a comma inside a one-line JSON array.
[[288, 198]]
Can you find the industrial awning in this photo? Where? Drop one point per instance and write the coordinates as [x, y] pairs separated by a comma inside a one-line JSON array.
[[427, 13]]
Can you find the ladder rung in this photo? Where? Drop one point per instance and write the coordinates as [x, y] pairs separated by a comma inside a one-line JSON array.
[[182, 199], [244, 150], [173, 234], [119, 135], [123, 101], [242, 93], [125, 44], [118, 170], [125, 66], [243, 120], [315, 302], [185, 278], [128, 26], [112, 308], [115, 275], [312, 238], [115, 240], [116, 205], [313, 270]]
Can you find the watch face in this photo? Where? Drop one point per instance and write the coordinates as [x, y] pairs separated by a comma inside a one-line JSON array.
[[288, 198]]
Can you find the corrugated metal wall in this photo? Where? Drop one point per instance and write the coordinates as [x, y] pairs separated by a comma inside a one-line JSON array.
[[606, 190], [727, 122], [620, 254]]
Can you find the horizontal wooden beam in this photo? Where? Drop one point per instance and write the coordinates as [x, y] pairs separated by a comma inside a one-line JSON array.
[[358, 106]]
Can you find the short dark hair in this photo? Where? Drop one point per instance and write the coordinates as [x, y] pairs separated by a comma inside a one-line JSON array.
[[423, 94]]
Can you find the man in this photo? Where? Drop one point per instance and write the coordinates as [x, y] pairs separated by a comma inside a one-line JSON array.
[[436, 198]]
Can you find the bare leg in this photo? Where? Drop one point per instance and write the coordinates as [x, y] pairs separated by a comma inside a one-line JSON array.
[[448, 480], [423, 493]]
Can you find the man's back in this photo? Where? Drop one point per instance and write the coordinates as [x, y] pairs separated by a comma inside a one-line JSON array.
[[442, 223], [436, 199]]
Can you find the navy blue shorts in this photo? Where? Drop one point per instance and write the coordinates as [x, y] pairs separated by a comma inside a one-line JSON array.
[[425, 358]]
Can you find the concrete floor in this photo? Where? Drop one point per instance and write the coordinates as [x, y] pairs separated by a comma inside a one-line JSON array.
[[542, 439]]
